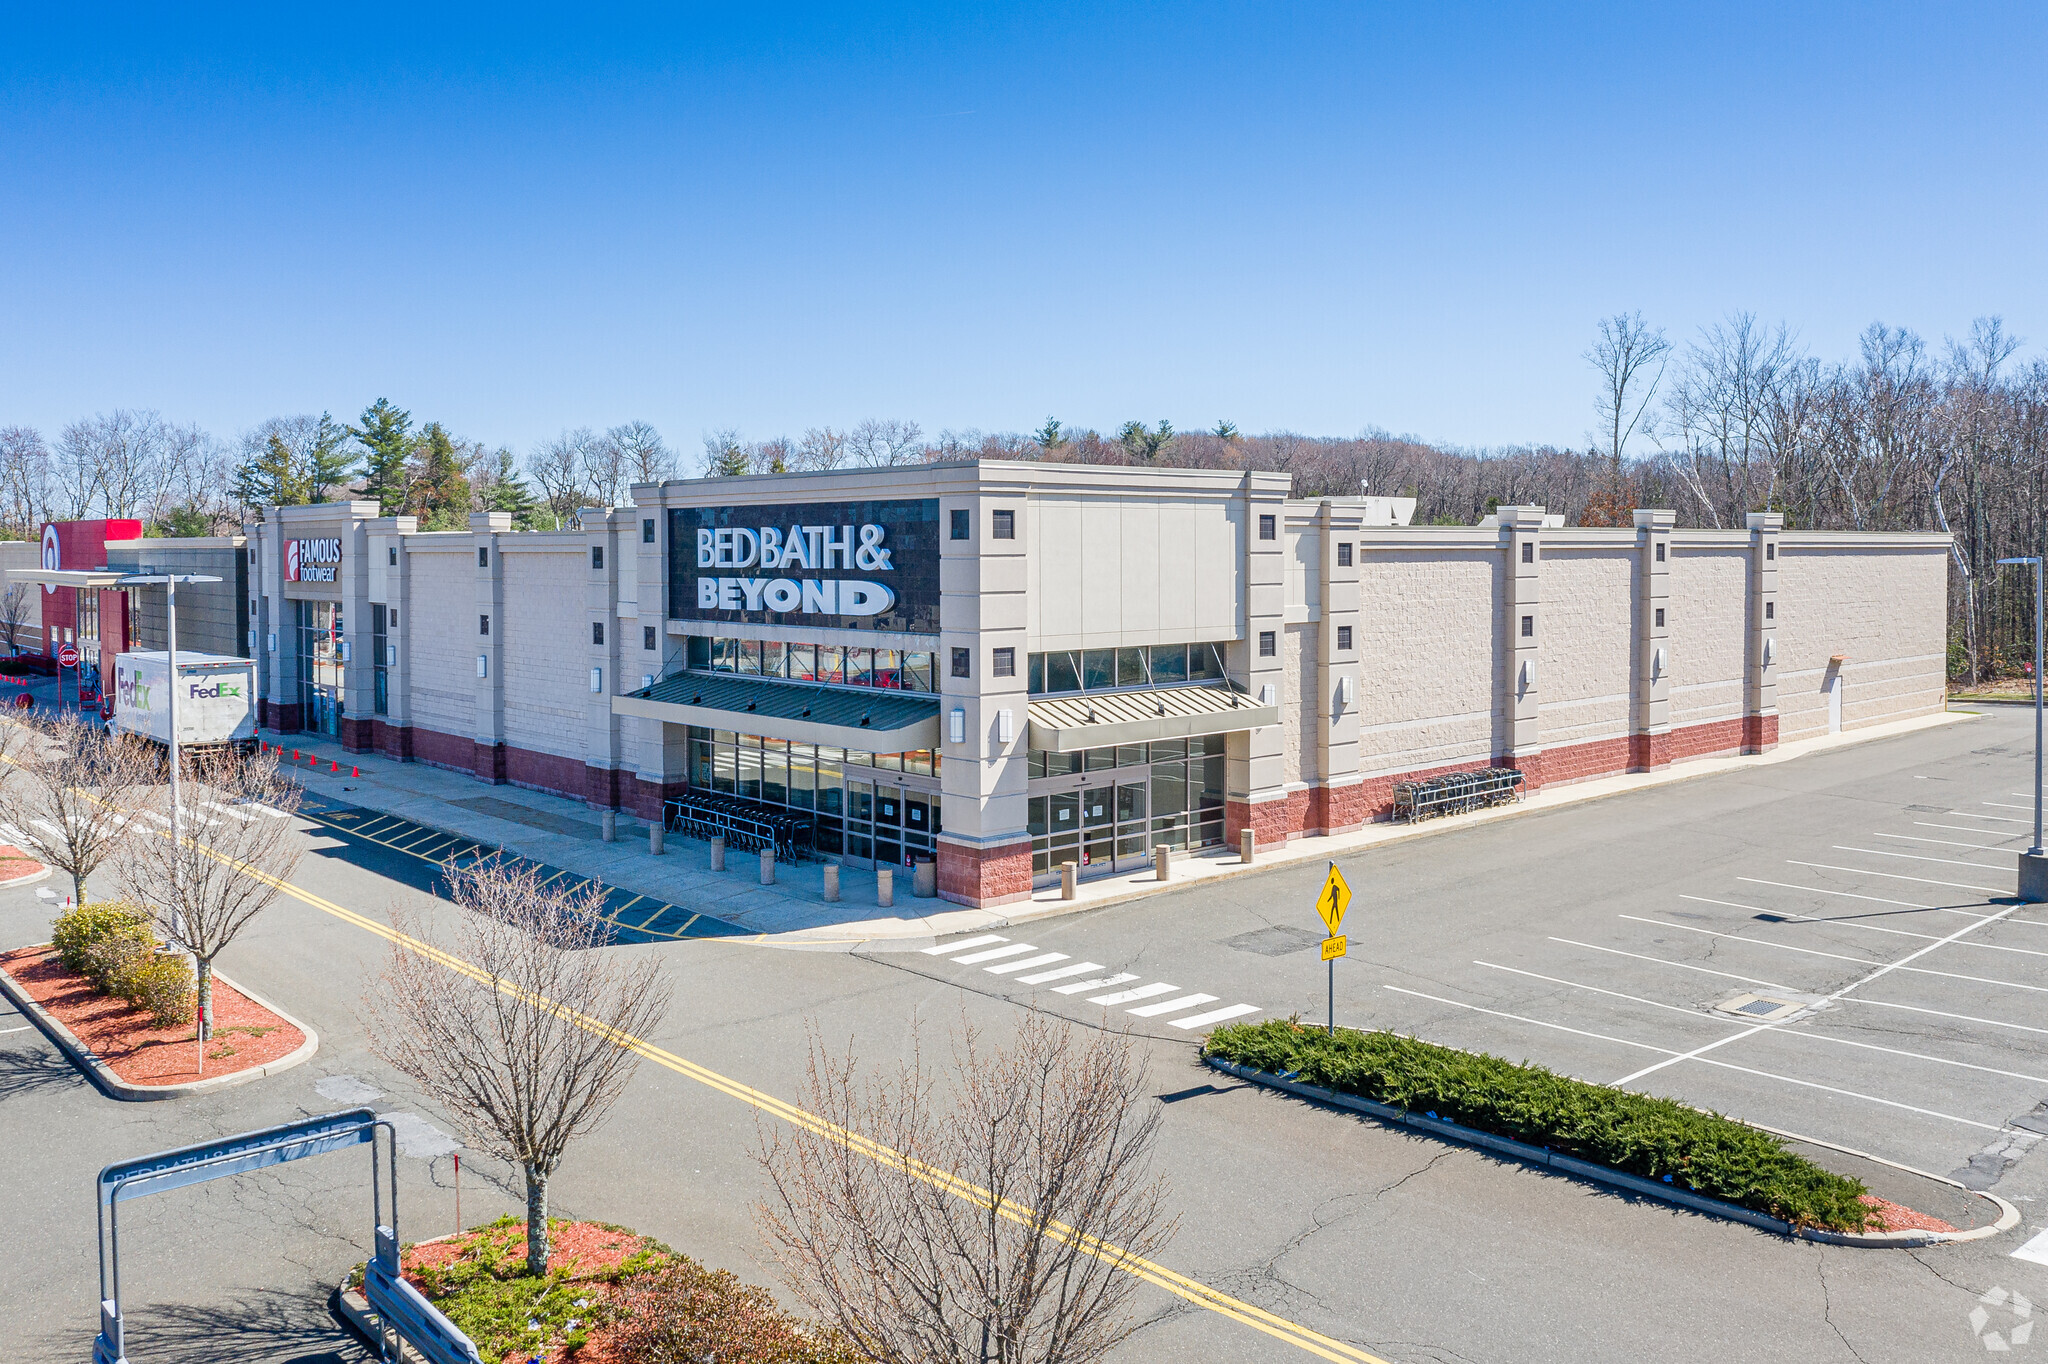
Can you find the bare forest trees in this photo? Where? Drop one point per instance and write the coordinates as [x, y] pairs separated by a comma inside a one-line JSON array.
[[75, 790], [16, 607], [515, 1018], [236, 849], [991, 1227]]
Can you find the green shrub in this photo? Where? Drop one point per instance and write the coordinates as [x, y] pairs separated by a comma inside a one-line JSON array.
[[1637, 1133], [79, 928], [111, 956], [162, 983]]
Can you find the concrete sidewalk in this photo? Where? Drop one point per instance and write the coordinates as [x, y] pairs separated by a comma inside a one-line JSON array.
[[793, 913]]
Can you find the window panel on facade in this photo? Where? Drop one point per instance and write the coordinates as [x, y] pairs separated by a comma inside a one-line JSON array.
[[860, 667], [1130, 668], [802, 662], [1169, 665], [775, 778], [1169, 789], [831, 663], [1130, 755], [750, 658], [1098, 669], [698, 652], [1062, 672], [1037, 674], [774, 659], [917, 672], [888, 669], [1205, 663], [749, 773]]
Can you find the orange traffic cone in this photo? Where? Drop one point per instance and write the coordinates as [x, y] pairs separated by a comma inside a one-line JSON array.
[[355, 771], [337, 767], [295, 755]]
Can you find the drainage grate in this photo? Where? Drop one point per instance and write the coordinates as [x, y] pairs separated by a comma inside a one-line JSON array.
[[1764, 1008], [1759, 1006]]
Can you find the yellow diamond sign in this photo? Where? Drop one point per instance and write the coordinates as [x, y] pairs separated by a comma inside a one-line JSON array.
[[1333, 900]]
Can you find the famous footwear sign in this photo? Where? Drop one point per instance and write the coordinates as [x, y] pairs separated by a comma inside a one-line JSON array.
[[872, 565], [311, 561]]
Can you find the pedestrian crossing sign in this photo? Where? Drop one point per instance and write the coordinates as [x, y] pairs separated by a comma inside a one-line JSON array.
[[1333, 900], [1334, 946]]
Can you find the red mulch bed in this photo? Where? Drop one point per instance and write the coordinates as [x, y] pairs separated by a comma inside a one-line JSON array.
[[595, 1249], [1893, 1217], [15, 864], [245, 1034]]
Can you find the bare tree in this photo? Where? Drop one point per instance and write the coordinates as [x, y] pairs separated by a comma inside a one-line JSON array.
[[236, 849], [515, 1019], [878, 443], [15, 609], [75, 790], [820, 448], [561, 466], [642, 456], [27, 480], [726, 455], [1624, 355], [131, 463], [988, 1229]]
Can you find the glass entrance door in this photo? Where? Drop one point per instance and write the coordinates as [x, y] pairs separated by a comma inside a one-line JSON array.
[[888, 826], [1131, 840]]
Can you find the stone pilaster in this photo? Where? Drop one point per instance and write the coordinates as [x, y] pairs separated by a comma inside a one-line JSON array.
[[1257, 796], [1760, 692], [1652, 718], [608, 537], [1522, 541], [488, 563], [1341, 794]]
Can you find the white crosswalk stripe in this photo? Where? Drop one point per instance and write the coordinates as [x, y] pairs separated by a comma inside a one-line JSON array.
[[1171, 1006], [993, 953], [945, 947], [1044, 959], [1078, 968], [999, 956], [1217, 1016], [1077, 988], [1142, 992]]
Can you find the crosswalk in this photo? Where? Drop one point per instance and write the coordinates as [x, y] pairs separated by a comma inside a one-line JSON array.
[[998, 956]]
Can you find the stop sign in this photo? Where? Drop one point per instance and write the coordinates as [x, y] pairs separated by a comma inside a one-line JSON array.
[[67, 655]]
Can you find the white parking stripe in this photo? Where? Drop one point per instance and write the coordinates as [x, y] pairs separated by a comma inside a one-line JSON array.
[[2035, 1250], [1868, 928], [1918, 857], [231, 812], [1216, 1016], [1005, 968], [1681, 965], [992, 953], [1837, 956], [2003, 804], [1079, 986], [1171, 1006], [1156, 988], [1851, 895], [1076, 969], [1894, 876], [1944, 842], [263, 809], [1966, 829], [1705, 1060], [2002, 819], [1938, 1013], [943, 948]]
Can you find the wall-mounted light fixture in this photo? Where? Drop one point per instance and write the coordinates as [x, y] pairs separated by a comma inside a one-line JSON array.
[[1528, 682], [1269, 695], [483, 665], [956, 726], [1770, 650], [1657, 664], [597, 679], [1006, 726], [1344, 691], [646, 681]]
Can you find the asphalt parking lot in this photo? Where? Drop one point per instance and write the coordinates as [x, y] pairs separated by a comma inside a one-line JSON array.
[[1858, 901]]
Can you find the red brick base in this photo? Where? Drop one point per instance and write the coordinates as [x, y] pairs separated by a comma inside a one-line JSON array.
[[358, 736], [984, 877], [646, 796], [393, 741], [1272, 822]]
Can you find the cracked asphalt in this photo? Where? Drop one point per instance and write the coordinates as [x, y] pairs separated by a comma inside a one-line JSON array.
[[1403, 1246]]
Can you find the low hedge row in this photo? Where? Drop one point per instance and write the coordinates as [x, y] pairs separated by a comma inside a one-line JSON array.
[[1636, 1133], [110, 943]]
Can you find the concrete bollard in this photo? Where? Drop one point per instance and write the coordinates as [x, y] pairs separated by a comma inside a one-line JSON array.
[[610, 824], [1248, 843], [767, 866], [718, 852], [1070, 879], [1162, 862], [656, 833], [924, 879], [831, 883], [885, 887]]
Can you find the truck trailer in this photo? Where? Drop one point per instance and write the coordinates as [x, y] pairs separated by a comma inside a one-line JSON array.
[[216, 700]]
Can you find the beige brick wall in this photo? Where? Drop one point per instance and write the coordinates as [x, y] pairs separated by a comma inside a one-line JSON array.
[[1300, 651], [1708, 617], [1429, 651], [1586, 644], [443, 640], [547, 677], [1886, 609]]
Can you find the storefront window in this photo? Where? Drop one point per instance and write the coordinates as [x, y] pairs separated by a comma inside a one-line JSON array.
[[847, 793], [1161, 665], [1169, 792], [319, 630]]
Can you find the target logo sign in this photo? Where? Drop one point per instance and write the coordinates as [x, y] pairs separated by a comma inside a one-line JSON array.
[[53, 557]]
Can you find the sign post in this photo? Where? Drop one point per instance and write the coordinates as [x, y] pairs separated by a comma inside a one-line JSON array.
[[1331, 902]]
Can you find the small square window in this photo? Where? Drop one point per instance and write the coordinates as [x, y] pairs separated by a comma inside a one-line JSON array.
[[647, 636], [1528, 627], [646, 530], [1528, 551], [483, 557], [1770, 610], [1660, 551], [1269, 644], [393, 552], [597, 632], [1343, 639], [1770, 551], [960, 661], [1344, 554], [394, 618], [483, 625], [1005, 664], [1004, 526], [597, 556], [1269, 527], [1660, 618], [961, 522]]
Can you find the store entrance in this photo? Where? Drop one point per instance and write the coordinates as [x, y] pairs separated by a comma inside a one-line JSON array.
[[889, 825], [319, 630]]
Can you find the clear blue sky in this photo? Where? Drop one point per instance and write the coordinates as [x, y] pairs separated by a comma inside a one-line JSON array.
[[769, 217]]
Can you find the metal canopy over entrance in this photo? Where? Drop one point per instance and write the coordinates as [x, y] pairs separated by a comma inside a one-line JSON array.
[[1068, 724], [842, 717]]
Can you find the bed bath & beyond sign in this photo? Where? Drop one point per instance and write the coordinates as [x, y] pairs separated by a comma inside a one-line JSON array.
[[818, 548]]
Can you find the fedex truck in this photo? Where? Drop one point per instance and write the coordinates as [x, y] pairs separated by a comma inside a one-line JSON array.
[[216, 699]]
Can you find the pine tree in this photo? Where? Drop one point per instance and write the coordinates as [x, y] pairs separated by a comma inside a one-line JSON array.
[[271, 477], [1051, 436], [331, 463], [503, 490], [385, 435], [439, 492]]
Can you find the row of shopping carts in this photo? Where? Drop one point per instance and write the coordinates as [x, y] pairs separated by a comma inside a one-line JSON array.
[[1454, 793], [745, 826]]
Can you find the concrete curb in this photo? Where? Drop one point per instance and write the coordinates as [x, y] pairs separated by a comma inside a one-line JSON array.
[[2009, 1216], [115, 1087], [27, 880]]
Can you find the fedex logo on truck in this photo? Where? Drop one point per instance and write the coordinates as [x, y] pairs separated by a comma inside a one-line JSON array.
[[200, 691], [311, 561]]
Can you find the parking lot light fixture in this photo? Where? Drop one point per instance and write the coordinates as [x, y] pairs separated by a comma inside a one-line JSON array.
[[2034, 861]]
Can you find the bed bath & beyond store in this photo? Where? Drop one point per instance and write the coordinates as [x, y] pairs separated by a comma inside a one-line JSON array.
[[1009, 666]]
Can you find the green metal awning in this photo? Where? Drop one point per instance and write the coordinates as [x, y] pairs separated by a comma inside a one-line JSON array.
[[1067, 724], [840, 717]]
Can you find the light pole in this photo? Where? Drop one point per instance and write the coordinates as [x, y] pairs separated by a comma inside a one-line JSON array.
[[2034, 861]]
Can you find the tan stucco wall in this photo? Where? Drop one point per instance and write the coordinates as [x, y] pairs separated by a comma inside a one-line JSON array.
[[1302, 720], [1114, 570], [1428, 657], [1708, 618], [1586, 644], [1886, 609], [547, 679], [443, 637]]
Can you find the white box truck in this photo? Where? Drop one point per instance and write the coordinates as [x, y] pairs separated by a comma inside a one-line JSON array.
[[216, 699]]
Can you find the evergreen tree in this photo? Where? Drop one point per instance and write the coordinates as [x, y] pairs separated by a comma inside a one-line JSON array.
[[331, 463], [386, 438], [271, 477], [439, 491], [503, 490]]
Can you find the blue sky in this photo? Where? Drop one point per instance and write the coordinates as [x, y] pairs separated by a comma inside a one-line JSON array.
[[1320, 218]]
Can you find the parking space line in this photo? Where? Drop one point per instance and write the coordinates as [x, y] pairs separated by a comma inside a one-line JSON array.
[[1966, 829], [1868, 928], [1880, 972], [1537, 1022], [1602, 990], [1852, 895], [1944, 842], [1681, 965], [1916, 857], [1938, 1013], [2005, 805], [1895, 876], [1852, 1094], [1816, 952]]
